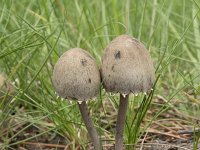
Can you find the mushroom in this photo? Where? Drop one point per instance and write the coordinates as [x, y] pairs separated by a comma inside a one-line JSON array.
[[76, 77], [126, 68]]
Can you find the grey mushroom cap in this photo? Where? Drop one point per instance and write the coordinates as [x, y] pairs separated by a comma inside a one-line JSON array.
[[127, 66], [76, 75]]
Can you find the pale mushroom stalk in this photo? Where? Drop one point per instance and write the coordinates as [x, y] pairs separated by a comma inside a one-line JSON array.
[[89, 125], [121, 121]]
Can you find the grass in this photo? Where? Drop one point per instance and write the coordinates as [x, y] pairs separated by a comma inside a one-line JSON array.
[[33, 34]]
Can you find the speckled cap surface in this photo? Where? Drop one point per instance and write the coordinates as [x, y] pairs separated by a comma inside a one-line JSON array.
[[127, 66], [76, 75]]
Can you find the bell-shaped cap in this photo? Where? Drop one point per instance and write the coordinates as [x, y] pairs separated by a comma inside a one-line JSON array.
[[76, 75], [127, 66]]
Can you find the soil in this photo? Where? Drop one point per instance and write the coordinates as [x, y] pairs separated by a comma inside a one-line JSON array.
[[54, 141]]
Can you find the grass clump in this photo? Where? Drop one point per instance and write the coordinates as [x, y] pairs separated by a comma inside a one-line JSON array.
[[35, 33]]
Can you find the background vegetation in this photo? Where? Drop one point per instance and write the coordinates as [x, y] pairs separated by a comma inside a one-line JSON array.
[[33, 34]]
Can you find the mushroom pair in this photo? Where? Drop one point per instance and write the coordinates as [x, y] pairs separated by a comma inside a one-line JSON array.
[[126, 68]]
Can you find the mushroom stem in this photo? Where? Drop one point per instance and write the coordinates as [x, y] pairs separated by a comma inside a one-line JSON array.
[[89, 125], [120, 122]]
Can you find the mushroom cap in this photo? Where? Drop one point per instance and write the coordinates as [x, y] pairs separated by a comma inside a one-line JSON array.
[[76, 75], [127, 66]]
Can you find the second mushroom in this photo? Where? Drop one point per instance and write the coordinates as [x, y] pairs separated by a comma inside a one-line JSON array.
[[126, 68], [76, 77]]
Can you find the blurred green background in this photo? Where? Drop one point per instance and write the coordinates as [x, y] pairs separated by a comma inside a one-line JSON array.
[[33, 34]]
